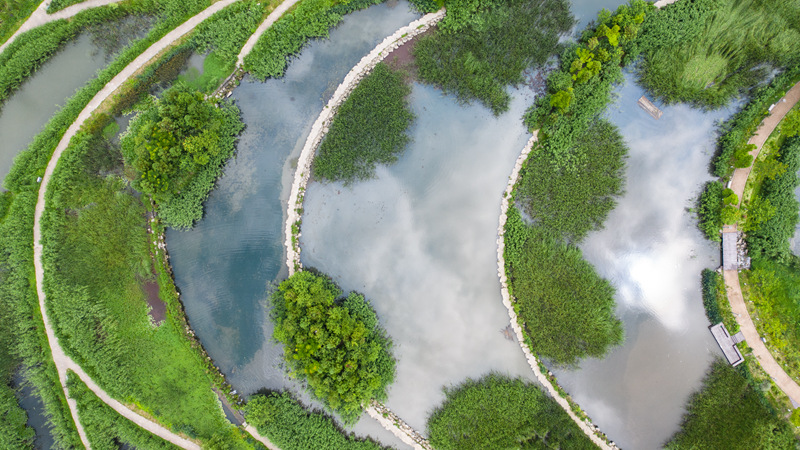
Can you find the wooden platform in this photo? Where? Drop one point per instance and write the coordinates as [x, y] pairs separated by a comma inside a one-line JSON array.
[[728, 343], [648, 106], [729, 257]]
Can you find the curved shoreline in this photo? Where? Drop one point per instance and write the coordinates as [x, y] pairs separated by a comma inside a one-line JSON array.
[[294, 207], [587, 427]]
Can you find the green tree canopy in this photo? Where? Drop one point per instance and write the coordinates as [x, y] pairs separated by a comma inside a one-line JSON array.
[[333, 343]]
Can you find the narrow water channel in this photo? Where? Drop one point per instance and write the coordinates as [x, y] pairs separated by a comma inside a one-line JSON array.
[[224, 265], [653, 253]]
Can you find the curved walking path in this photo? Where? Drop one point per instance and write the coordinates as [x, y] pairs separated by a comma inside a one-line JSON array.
[[62, 361], [273, 16], [41, 17], [294, 207], [732, 284]]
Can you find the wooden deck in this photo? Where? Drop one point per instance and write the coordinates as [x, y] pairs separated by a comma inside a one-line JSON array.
[[648, 106], [728, 343], [729, 258]]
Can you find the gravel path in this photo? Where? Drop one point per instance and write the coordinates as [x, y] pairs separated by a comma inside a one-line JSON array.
[[40, 16], [62, 361], [734, 289]]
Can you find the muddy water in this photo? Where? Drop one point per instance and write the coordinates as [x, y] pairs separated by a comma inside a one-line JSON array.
[[28, 110], [224, 265], [653, 254]]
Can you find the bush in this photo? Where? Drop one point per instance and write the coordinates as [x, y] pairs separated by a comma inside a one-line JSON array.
[[709, 209], [58, 5], [499, 412], [333, 344], [369, 128], [290, 426], [571, 202], [480, 48], [178, 148], [730, 413], [564, 306]]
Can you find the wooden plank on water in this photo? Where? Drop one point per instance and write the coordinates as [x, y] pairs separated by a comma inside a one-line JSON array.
[[729, 257], [648, 106], [726, 343]]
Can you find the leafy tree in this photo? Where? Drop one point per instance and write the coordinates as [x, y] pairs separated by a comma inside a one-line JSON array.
[[333, 344], [177, 148]]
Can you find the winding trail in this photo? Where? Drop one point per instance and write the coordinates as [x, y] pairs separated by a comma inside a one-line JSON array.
[[273, 16], [294, 208], [62, 361], [41, 17], [732, 284]]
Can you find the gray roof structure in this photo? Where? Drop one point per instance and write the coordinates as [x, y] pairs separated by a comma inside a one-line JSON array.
[[728, 343]]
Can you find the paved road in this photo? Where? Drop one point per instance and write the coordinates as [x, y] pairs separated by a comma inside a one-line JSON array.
[[40, 16], [62, 361], [734, 289]]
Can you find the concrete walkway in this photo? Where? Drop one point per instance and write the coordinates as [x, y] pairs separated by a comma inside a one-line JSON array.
[[62, 361], [40, 16], [733, 288], [273, 16]]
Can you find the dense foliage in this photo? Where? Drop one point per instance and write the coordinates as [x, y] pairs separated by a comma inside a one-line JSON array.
[[178, 148], [104, 427], [770, 235], [368, 129], [715, 300], [704, 52], [13, 13], [500, 412], [728, 412], [335, 344], [565, 307], [290, 426], [481, 47], [58, 5], [736, 131], [774, 288], [14, 432], [579, 91], [286, 37], [571, 202]]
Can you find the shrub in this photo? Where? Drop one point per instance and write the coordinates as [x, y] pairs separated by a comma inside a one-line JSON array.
[[290, 426], [709, 209], [369, 128], [500, 412], [480, 48], [333, 344]]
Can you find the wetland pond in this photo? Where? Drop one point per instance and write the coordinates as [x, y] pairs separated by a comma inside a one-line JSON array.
[[224, 265]]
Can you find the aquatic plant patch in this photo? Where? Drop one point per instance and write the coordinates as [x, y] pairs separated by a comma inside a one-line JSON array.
[[728, 412], [290, 426], [500, 412], [704, 52], [333, 343], [369, 128], [477, 51]]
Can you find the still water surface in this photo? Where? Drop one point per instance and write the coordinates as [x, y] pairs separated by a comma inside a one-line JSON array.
[[29, 109], [224, 265]]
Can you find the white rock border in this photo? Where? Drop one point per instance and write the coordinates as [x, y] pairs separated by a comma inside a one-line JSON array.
[[294, 208]]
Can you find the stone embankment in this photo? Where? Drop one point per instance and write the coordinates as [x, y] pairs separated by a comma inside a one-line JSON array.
[[548, 381], [381, 413], [321, 125]]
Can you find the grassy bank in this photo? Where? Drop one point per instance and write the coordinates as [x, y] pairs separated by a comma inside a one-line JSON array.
[[705, 52], [333, 343], [13, 13], [478, 50], [58, 5], [500, 412], [370, 128], [728, 412], [290, 426]]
